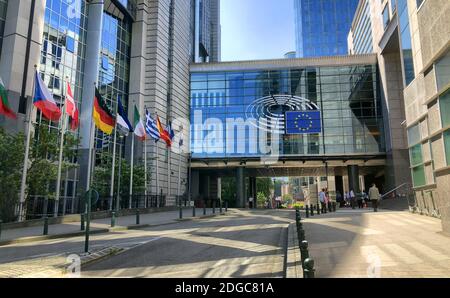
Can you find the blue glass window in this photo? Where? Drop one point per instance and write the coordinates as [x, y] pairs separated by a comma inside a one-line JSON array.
[[105, 62], [70, 44]]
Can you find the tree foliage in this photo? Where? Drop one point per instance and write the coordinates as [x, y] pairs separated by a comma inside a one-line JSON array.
[[265, 186], [102, 176], [12, 150]]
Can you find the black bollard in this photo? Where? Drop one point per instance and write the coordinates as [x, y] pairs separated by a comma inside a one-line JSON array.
[[137, 216], [204, 208], [1, 228], [193, 211], [226, 206], [214, 207], [181, 212], [82, 221], [330, 207], [113, 219], [307, 211], [318, 209], [45, 225], [220, 206], [304, 251], [301, 235], [312, 210], [334, 206], [308, 269]]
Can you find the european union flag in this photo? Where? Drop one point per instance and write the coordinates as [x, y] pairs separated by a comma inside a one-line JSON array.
[[303, 122]]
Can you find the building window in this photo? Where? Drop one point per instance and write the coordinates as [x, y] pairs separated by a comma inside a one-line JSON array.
[[442, 68], [385, 17], [413, 135], [446, 137], [70, 44], [393, 6], [405, 36], [444, 107], [105, 62], [418, 174], [416, 154]]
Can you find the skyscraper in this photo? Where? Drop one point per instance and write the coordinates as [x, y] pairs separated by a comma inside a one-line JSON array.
[[207, 30], [321, 26]]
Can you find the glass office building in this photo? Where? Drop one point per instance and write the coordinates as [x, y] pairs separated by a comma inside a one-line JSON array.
[[321, 26], [236, 114]]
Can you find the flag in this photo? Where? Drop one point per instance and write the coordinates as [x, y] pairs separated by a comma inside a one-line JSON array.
[[163, 132], [139, 129], [303, 122], [170, 133], [122, 119], [103, 118], [71, 109], [5, 109], [151, 127], [44, 101]]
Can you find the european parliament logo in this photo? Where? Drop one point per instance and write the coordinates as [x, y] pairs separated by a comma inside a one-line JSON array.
[[303, 122]]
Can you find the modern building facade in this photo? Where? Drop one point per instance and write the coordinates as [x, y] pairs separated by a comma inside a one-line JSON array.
[[207, 32], [412, 40], [239, 119], [137, 51], [321, 26]]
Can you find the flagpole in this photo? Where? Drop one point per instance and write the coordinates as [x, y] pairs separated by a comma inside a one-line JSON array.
[[111, 191], [157, 169], [119, 174], [179, 166], [91, 149], [131, 169], [27, 153], [145, 166], [61, 146]]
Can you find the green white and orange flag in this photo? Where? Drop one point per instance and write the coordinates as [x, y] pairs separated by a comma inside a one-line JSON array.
[[139, 129], [5, 108]]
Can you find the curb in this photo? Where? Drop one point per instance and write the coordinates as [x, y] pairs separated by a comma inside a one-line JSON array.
[[99, 231], [293, 258]]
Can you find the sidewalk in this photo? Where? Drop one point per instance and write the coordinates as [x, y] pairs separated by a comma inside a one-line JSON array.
[[73, 229], [362, 243]]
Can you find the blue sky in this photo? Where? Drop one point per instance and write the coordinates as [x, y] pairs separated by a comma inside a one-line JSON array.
[[256, 29]]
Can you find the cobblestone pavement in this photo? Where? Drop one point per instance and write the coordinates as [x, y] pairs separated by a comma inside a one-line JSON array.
[[362, 243]]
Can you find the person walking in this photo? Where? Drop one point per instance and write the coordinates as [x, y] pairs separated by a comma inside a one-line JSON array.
[[250, 202], [374, 196], [352, 199], [322, 199]]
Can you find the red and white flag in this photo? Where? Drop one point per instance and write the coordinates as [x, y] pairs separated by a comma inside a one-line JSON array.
[[71, 109]]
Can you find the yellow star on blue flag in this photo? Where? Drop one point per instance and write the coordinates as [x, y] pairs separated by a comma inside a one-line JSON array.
[[303, 122]]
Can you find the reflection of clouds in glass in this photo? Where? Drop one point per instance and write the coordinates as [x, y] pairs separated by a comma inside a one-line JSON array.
[[73, 9]]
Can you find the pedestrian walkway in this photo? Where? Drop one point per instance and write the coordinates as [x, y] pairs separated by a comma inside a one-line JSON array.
[[99, 225], [362, 243]]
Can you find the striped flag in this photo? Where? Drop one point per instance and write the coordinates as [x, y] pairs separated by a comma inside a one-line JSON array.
[[5, 108], [71, 109], [103, 118], [44, 101], [122, 120], [139, 129], [151, 127]]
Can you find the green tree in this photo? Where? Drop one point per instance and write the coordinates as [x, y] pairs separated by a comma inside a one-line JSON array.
[[12, 150], [102, 176], [264, 185], [43, 161], [229, 190], [261, 199]]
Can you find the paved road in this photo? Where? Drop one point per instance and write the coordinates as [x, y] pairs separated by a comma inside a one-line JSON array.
[[361, 243], [243, 244]]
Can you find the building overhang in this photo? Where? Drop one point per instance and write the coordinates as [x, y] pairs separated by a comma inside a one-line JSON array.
[[389, 42], [345, 60]]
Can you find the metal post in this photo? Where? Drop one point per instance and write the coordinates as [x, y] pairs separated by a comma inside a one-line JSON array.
[[113, 219], [308, 269], [1, 228], [304, 251], [45, 225], [214, 206], [220, 206], [88, 222], [226, 206], [307, 211], [82, 221], [193, 211], [137, 216], [181, 211], [204, 207], [318, 209], [312, 210], [119, 175]]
